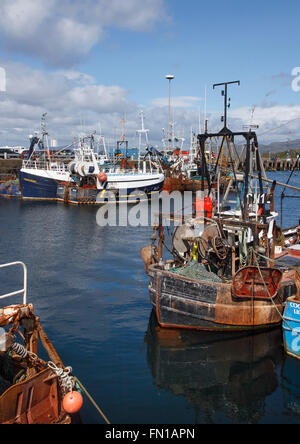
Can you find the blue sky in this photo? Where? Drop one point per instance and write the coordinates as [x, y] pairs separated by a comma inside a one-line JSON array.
[[92, 61]]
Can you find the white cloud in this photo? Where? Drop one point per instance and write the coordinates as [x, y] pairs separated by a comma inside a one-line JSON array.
[[69, 97], [278, 121], [74, 100], [62, 32]]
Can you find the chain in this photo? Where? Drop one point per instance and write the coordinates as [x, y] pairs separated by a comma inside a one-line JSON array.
[[66, 381]]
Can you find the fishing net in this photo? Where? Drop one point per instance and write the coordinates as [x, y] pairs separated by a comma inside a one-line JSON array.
[[195, 270]]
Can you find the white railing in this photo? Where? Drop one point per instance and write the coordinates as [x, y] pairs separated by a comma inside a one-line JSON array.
[[40, 165], [24, 290]]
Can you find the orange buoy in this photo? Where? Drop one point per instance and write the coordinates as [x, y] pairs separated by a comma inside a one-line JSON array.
[[72, 402], [102, 177]]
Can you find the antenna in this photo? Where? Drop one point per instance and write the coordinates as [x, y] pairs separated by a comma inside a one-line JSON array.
[[226, 101]]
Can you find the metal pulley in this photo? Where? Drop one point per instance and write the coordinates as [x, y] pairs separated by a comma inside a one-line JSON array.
[[220, 247]]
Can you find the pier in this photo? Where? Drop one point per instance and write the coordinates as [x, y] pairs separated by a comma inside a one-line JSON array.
[[281, 164], [278, 164]]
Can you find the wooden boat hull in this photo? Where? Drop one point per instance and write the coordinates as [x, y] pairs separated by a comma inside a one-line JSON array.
[[182, 302]]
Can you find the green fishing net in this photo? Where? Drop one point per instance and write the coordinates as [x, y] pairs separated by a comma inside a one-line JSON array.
[[195, 270]]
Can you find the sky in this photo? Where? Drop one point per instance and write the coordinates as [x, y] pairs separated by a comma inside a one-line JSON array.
[[89, 64]]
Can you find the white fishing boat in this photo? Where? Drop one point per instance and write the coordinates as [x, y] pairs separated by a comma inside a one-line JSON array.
[[96, 180]]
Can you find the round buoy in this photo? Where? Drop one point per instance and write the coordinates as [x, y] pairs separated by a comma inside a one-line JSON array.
[[102, 177], [72, 402]]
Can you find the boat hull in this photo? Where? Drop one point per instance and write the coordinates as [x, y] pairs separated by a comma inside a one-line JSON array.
[[182, 302], [115, 193], [291, 327], [37, 187], [34, 401], [133, 190]]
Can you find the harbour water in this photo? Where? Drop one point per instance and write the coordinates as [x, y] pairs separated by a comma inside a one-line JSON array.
[[89, 288]]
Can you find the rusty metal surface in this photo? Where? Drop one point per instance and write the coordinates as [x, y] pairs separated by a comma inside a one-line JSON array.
[[35, 401], [36, 389], [53, 355], [247, 283], [8, 314]]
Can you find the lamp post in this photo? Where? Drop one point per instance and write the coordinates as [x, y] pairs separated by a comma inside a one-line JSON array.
[[169, 77]]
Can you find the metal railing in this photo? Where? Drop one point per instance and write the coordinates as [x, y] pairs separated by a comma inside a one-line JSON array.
[[41, 165], [24, 290]]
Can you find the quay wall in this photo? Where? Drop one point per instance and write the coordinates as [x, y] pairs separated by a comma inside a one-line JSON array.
[[9, 167]]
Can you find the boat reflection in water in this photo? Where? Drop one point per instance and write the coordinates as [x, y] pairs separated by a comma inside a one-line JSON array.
[[290, 387], [226, 378]]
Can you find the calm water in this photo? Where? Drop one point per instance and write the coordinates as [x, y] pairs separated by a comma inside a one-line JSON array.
[[89, 288]]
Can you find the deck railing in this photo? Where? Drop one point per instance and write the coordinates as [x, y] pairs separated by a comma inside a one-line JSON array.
[[40, 165], [24, 289]]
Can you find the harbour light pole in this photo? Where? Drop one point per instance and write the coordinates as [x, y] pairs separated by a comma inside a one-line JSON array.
[[169, 77]]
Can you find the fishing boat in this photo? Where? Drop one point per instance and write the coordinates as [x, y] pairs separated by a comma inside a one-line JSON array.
[[221, 275], [32, 391], [290, 258], [95, 182], [39, 176]]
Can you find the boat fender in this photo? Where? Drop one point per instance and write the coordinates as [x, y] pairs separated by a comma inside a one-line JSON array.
[[102, 177], [72, 402]]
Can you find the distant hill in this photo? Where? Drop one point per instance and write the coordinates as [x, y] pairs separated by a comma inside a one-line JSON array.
[[277, 147]]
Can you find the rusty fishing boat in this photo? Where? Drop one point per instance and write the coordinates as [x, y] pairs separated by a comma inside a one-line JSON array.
[[217, 272], [32, 391]]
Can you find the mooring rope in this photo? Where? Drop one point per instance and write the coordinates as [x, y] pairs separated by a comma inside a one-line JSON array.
[[92, 400], [265, 285], [64, 374]]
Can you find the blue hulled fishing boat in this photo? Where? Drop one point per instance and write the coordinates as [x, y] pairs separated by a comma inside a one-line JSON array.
[[40, 176]]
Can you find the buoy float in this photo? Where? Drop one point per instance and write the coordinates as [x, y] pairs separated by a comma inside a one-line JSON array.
[[72, 402], [102, 177]]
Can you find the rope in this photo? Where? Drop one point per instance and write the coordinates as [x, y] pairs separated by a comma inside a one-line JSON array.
[[276, 308], [276, 261], [67, 381], [92, 400]]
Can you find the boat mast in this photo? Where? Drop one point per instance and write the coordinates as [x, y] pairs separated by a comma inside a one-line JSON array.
[[226, 99], [169, 77], [140, 132], [45, 135]]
